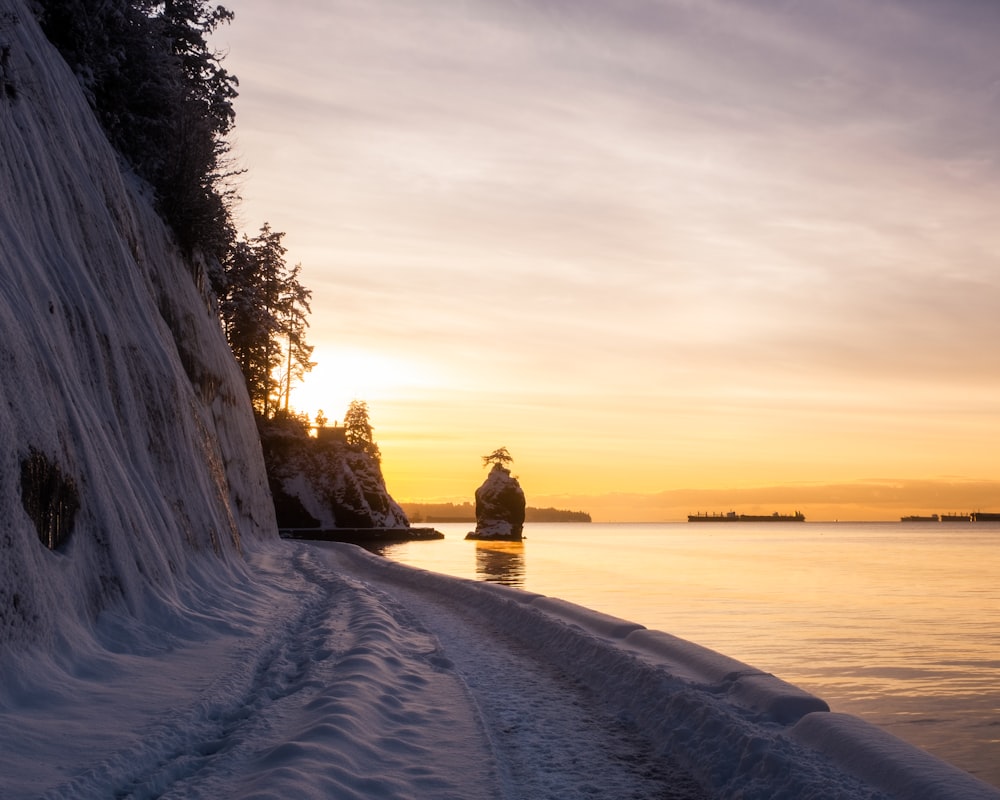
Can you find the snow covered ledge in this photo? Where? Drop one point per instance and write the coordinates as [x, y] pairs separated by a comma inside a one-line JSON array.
[[742, 731], [860, 748], [879, 758], [744, 685]]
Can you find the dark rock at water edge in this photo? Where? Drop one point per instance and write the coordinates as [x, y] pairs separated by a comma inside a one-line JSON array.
[[325, 484], [362, 536], [499, 507]]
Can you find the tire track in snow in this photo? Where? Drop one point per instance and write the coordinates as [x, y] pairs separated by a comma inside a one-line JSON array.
[[554, 739], [376, 716], [180, 742], [333, 695], [708, 745]]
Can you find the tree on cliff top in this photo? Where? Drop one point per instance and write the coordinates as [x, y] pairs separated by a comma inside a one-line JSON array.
[[498, 458], [164, 100], [166, 104], [263, 307], [358, 429]]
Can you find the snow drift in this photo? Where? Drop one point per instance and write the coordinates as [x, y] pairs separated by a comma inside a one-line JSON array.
[[128, 439]]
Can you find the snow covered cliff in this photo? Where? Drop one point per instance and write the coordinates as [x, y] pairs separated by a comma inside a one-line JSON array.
[[325, 483], [130, 452]]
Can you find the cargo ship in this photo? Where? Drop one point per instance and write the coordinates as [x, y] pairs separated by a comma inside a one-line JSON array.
[[974, 516], [918, 518], [732, 516]]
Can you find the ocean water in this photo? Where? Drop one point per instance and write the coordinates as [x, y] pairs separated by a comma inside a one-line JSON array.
[[898, 623]]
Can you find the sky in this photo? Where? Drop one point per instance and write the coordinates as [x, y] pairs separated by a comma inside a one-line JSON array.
[[664, 251]]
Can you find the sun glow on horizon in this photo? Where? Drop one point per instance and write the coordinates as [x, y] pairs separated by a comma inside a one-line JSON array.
[[761, 255], [343, 375]]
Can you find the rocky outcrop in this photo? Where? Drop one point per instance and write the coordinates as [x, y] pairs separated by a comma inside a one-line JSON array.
[[325, 483], [499, 507]]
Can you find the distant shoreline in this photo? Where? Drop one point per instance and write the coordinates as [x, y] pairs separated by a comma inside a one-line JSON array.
[[466, 513]]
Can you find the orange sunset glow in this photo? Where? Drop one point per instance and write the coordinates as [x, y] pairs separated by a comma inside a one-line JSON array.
[[675, 256]]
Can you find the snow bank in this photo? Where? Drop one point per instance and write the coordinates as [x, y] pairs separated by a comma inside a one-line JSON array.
[[883, 760], [126, 429], [742, 732]]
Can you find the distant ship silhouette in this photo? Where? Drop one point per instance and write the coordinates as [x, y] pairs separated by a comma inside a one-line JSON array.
[[732, 516]]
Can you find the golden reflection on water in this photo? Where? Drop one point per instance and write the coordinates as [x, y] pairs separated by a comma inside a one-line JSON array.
[[501, 562]]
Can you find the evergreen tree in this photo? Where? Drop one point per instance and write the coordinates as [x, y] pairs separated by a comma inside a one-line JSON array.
[[192, 177], [263, 308], [164, 99], [166, 103], [358, 429], [245, 318], [498, 458], [294, 310]]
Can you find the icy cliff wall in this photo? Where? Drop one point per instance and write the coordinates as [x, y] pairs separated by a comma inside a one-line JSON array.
[[128, 444]]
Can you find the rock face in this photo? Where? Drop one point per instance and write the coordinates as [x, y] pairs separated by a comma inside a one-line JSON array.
[[129, 451], [326, 484], [499, 507]]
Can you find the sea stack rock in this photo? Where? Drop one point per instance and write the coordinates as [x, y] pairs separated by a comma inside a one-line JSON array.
[[499, 507]]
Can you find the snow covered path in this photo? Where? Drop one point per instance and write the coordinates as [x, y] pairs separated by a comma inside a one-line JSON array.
[[315, 684], [352, 702], [323, 671], [318, 691], [551, 736]]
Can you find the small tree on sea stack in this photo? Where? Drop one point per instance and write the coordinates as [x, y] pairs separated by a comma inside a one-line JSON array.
[[499, 501], [499, 457]]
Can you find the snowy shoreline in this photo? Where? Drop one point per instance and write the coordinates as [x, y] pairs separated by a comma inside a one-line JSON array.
[[670, 682], [325, 670]]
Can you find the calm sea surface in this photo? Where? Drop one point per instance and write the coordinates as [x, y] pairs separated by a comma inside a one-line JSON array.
[[898, 623]]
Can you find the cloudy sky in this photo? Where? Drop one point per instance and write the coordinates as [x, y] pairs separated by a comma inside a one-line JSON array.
[[650, 246]]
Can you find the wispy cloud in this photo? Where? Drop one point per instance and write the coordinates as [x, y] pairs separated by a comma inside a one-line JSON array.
[[751, 197]]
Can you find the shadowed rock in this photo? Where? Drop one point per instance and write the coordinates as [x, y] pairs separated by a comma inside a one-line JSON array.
[[499, 507]]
